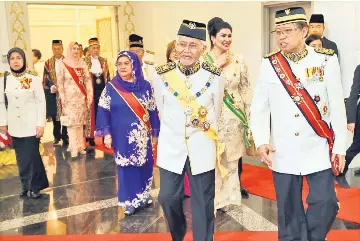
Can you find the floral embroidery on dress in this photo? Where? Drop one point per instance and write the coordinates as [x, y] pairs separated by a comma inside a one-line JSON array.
[[141, 197], [105, 100], [148, 101], [139, 136]]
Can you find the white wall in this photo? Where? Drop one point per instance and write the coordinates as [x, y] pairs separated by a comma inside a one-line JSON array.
[[158, 23], [343, 29]]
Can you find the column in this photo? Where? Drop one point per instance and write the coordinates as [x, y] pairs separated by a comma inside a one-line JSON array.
[[18, 30], [4, 37]]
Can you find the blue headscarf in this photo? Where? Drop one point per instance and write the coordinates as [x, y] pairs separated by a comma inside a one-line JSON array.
[[137, 74]]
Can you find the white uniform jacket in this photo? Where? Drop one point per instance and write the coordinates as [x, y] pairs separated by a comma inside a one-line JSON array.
[[299, 150], [26, 104], [178, 139]]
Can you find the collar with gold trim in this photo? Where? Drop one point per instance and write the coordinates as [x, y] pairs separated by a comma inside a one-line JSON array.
[[296, 57], [189, 71]]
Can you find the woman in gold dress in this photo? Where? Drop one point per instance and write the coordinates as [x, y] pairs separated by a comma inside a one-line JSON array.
[[233, 122]]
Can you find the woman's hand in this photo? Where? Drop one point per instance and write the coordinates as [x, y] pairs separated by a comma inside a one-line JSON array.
[[223, 59], [108, 141]]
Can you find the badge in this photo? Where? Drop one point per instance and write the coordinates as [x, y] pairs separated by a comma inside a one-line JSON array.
[[317, 99], [98, 81], [324, 109], [188, 110], [202, 112], [195, 122], [206, 125], [297, 99]]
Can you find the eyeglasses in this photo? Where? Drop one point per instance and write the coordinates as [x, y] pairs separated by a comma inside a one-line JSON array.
[[285, 32], [182, 46]]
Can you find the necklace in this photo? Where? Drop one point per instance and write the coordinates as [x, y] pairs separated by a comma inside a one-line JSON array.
[[296, 57], [188, 99], [188, 72]]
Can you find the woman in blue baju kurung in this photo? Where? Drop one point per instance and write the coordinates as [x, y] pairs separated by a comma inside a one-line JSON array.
[[128, 120]]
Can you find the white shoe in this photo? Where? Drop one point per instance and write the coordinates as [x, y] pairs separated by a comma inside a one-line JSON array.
[[83, 152], [74, 154]]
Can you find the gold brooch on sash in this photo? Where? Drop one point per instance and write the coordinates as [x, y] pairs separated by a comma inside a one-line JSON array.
[[145, 118], [199, 120], [317, 99], [297, 99], [202, 112]]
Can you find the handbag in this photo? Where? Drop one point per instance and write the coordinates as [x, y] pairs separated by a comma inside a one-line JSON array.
[[65, 120], [251, 150]]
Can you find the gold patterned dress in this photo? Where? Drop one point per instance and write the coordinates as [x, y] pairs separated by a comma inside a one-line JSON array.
[[231, 130]]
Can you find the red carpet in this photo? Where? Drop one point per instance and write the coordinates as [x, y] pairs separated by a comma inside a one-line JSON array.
[[334, 235], [260, 183]]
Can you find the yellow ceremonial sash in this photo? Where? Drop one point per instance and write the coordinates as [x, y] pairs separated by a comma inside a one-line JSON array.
[[186, 99]]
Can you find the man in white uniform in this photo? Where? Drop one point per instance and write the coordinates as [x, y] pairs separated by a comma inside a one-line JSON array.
[[189, 95], [296, 110]]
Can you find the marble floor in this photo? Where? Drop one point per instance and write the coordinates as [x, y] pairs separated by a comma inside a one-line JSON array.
[[82, 199]]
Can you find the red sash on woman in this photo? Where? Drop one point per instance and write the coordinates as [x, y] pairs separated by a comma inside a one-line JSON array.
[[138, 109], [304, 102], [81, 86]]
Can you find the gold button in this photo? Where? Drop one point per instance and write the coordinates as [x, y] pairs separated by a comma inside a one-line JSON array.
[[297, 134], [297, 115], [187, 138]]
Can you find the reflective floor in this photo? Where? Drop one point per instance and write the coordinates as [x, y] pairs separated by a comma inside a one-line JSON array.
[[82, 200]]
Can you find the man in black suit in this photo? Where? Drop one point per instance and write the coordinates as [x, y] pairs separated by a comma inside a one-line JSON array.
[[353, 120], [317, 27]]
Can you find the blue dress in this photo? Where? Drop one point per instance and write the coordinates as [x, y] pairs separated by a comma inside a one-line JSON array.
[[131, 141]]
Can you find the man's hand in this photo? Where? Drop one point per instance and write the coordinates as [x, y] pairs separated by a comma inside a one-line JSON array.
[[341, 161], [351, 127], [53, 89], [264, 150], [3, 129], [39, 131]]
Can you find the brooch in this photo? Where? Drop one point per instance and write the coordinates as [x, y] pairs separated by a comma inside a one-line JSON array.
[[317, 99], [202, 112], [25, 82]]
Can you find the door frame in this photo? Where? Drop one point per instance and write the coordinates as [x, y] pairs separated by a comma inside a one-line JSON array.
[[266, 14]]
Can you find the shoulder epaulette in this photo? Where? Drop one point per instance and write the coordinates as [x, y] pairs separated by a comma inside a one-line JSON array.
[[211, 68], [165, 67], [148, 62], [32, 72], [330, 52], [102, 59], [271, 54], [150, 52], [2, 74]]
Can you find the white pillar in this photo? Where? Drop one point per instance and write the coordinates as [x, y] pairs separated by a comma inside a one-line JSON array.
[[18, 30], [4, 37], [343, 30]]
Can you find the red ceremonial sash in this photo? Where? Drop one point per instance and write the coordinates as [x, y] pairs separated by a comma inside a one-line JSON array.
[[76, 79], [135, 105], [304, 102]]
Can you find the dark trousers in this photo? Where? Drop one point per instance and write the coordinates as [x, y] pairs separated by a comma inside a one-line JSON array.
[[96, 103], [59, 132], [354, 149], [202, 189], [31, 168], [293, 222], [240, 167]]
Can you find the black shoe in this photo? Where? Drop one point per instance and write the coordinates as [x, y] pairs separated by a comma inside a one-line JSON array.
[[341, 180], [34, 194], [23, 193], [357, 172], [244, 193], [65, 143], [89, 150], [56, 142]]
